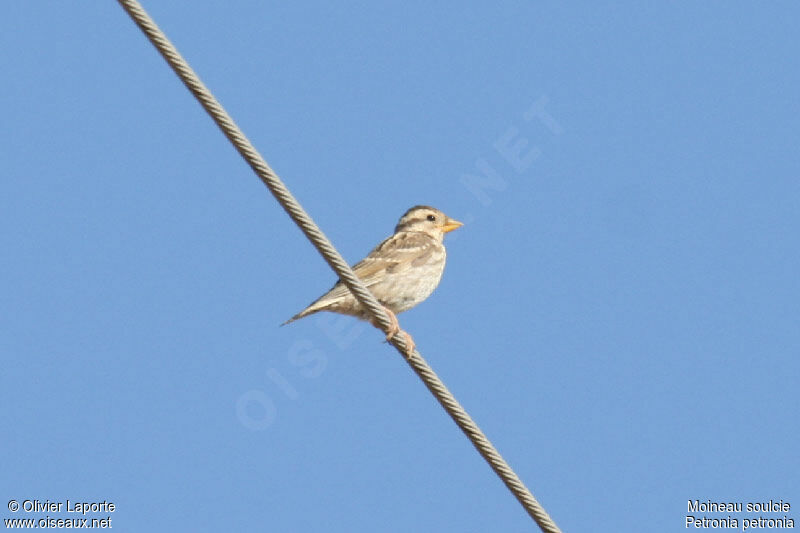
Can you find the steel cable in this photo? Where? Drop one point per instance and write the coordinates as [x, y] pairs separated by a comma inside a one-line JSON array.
[[337, 262]]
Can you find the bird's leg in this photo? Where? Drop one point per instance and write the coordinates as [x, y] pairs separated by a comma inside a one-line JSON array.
[[394, 329], [394, 326]]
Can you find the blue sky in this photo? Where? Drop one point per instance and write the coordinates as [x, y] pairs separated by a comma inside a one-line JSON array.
[[619, 314]]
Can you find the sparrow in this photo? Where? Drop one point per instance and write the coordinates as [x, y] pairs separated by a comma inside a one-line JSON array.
[[401, 272]]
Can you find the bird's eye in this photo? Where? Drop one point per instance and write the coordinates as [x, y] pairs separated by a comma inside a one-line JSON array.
[[432, 218]]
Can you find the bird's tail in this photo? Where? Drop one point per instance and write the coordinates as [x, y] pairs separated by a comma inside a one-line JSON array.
[[300, 315], [315, 307], [327, 302]]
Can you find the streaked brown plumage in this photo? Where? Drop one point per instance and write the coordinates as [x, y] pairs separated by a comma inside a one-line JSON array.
[[401, 272]]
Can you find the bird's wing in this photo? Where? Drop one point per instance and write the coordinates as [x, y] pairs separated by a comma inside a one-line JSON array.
[[394, 255]]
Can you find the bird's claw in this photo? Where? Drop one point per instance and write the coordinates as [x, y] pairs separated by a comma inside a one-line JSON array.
[[394, 325], [394, 329]]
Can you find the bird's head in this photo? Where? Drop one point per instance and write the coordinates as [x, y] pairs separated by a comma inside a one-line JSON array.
[[428, 220]]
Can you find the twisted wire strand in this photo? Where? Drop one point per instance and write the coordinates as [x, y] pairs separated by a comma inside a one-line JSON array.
[[293, 208]]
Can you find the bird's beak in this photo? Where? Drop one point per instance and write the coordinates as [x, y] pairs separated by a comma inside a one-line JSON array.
[[451, 225]]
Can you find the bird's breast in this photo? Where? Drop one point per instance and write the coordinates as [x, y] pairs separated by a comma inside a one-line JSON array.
[[403, 291]]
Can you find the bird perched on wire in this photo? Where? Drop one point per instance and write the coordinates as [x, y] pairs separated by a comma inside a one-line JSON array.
[[401, 272]]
